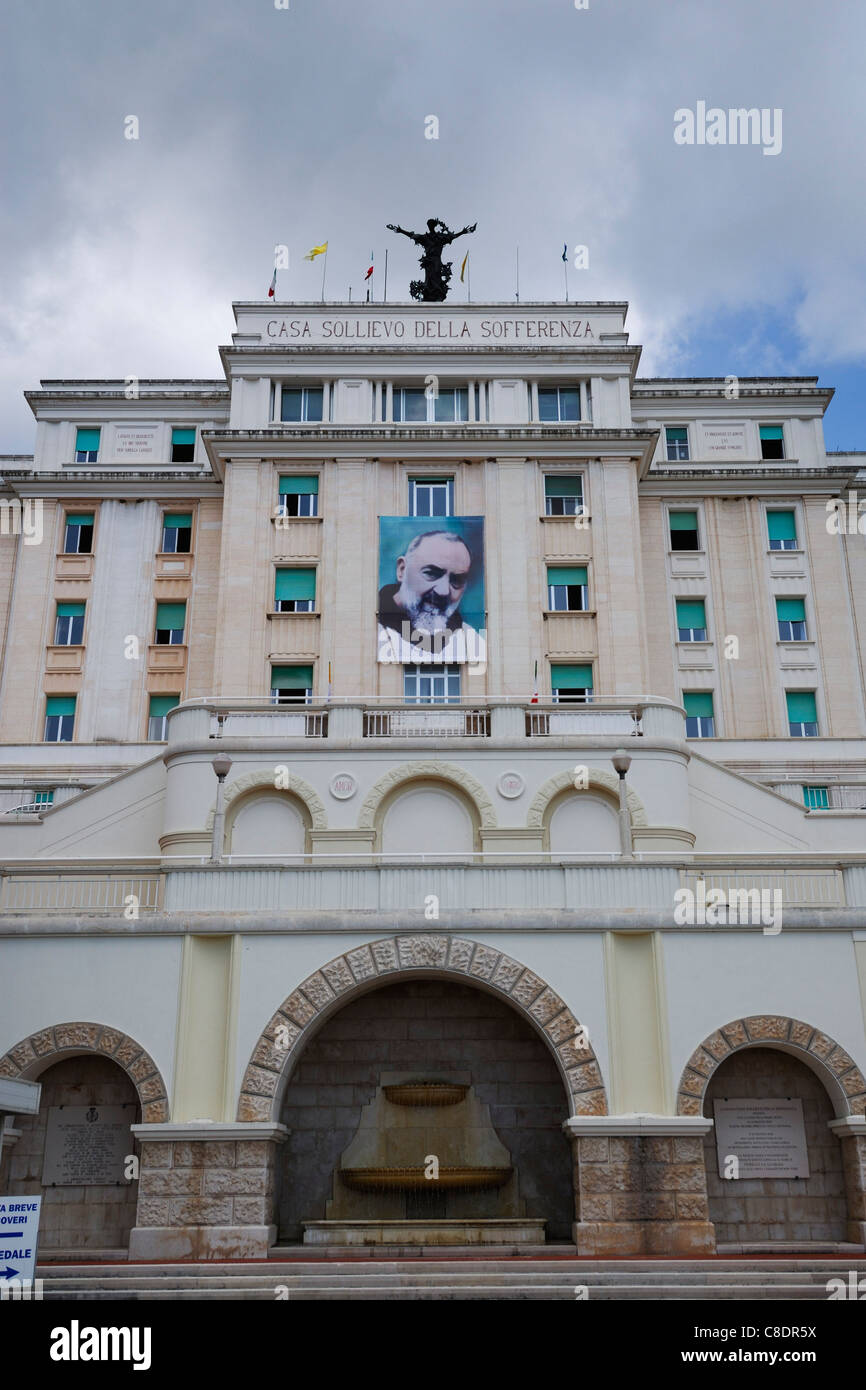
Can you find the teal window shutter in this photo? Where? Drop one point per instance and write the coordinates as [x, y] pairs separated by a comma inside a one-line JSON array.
[[801, 707], [571, 677], [161, 704], [684, 521], [562, 485], [698, 703], [771, 432], [691, 613], [177, 519], [60, 704], [70, 610], [781, 526], [296, 484], [574, 574], [791, 610], [676, 434], [291, 677], [183, 436], [170, 615], [816, 798], [295, 583], [87, 440], [79, 518]]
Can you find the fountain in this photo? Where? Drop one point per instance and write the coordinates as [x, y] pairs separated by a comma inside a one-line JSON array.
[[425, 1167]]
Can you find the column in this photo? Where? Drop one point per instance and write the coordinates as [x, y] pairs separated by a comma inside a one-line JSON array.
[[640, 1185]]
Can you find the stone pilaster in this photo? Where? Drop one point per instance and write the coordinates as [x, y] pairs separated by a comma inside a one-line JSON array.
[[851, 1133], [640, 1185], [206, 1191]]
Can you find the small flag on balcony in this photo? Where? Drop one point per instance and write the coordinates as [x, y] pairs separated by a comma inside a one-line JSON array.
[[534, 700], [329, 682]]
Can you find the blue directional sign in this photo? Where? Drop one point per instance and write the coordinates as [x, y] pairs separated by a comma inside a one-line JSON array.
[[19, 1230]]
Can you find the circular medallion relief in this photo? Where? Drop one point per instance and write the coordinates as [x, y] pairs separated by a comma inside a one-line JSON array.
[[511, 784], [343, 785]]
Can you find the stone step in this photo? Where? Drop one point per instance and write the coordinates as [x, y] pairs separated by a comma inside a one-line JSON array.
[[540, 1291]]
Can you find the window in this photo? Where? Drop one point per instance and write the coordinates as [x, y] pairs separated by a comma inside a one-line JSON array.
[[43, 798], [566, 588], [782, 530], [413, 405], [295, 591], [176, 533], [791, 616], [86, 445], [558, 404], [291, 685], [691, 620], [431, 496], [452, 404], [301, 404], [157, 721], [571, 684], [677, 443], [78, 539], [69, 625], [431, 685], [299, 496], [182, 445], [170, 623], [684, 530], [700, 721], [816, 798], [59, 718], [563, 494], [802, 713], [772, 442]]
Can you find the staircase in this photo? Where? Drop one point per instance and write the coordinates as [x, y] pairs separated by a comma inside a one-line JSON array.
[[455, 1278]]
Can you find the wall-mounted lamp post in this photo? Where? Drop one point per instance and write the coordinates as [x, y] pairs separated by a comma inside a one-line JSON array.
[[622, 762], [221, 765]]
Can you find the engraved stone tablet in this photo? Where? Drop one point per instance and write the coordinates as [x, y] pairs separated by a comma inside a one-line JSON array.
[[85, 1145], [767, 1137]]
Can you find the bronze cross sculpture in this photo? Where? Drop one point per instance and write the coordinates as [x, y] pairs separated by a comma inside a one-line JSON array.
[[434, 286]]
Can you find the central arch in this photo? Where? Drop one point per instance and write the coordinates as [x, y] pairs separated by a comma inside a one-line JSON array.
[[422, 956]]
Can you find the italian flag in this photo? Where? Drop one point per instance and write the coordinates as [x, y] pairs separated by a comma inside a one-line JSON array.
[[534, 700], [272, 291]]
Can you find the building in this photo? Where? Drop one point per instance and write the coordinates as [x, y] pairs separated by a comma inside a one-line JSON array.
[[432, 748]]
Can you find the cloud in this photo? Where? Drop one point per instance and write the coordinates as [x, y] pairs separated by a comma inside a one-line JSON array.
[[262, 126]]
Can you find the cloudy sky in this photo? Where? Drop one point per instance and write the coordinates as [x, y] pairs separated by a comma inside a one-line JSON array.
[[261, 126]]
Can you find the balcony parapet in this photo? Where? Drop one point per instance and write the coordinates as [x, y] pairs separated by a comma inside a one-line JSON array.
[[350, 719]]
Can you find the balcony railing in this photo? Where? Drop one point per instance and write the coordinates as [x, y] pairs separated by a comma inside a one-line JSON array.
[[841, 796], [432, 722], [352, 717]]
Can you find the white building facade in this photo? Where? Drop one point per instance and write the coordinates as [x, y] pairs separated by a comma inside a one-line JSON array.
[[432, 739]]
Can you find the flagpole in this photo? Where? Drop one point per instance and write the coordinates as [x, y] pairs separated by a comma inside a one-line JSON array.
[[324, 268], [385, 288], [517, 274], [468, 284], [566, 279]]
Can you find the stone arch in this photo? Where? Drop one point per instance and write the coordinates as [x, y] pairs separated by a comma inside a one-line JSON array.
[[29, 1058], [261, 781], [422, 956], [843, 1079], [419, 771], [600, 781]]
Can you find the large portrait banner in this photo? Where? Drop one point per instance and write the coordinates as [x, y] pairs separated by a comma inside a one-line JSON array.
[[431, 590]]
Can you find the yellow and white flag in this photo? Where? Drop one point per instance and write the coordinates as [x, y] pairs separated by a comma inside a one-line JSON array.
[[317, 251]]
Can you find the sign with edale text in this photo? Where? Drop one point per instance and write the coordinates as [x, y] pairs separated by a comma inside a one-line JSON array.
[[767, 1137], [19, 1228], [85, 1145]]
